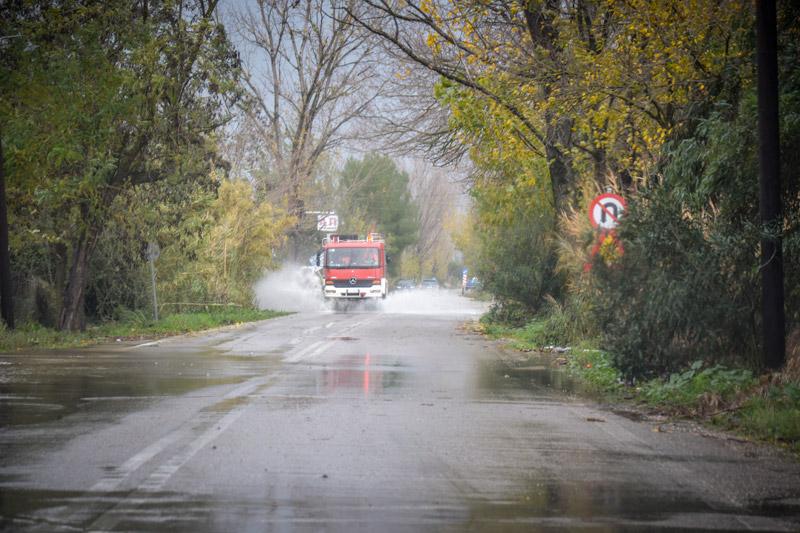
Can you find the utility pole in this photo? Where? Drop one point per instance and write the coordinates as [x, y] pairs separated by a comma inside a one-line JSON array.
[[6, 296], [773, 314]]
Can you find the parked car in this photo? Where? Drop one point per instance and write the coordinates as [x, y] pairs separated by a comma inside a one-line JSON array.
[[429, 283], [405, 285], [473, 284]]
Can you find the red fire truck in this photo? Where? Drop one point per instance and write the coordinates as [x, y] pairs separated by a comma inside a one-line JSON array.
[[353, 268]]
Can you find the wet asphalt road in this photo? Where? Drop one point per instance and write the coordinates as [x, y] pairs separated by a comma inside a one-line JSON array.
[[369, 420]]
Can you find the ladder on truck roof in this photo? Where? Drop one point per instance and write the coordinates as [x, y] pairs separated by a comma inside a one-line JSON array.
[[334, 238]]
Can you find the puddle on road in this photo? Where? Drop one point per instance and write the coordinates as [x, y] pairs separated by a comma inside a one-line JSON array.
[[369, 373], [607, 505], [535, 374], [46, 387], [49, 510], [599, 506]]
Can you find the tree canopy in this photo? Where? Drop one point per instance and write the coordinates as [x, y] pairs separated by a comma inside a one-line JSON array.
[[374, 197]]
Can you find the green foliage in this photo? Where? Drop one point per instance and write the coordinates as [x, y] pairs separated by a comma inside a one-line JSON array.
[[539, 333], [95, 100], [516, 264], [238, 244], [374, 196], [671, 121], [512, 228], [495, 330], [508, 314], [567, 324], [131, 326], [773, 416], [595, 368], [681, 292], [687, 287], [685, 389]]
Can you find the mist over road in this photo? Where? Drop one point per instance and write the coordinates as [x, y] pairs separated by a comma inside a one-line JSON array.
[[395, 418]]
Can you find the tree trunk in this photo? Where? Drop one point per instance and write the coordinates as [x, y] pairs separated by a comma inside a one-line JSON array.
[[559, 179], [297, 209], [73, 315], [560, 167]]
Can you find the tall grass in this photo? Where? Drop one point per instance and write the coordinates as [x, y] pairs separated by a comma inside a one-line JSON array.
[[133, 325]]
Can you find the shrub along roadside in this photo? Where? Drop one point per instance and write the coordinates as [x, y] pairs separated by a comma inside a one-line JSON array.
[[765, 408], [135, 325]]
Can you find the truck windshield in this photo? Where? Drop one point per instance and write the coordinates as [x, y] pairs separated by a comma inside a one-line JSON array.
[[352, 258]]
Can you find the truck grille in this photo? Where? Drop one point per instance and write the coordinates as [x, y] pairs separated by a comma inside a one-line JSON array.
[[345, 283]]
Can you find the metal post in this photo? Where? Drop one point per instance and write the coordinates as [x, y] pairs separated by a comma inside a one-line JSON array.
[[153, 282]]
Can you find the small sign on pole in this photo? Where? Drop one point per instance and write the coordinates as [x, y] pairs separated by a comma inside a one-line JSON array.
[[328, 222], [606, 210]]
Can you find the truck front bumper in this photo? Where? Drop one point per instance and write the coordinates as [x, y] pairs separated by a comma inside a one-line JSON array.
[[357, 293]]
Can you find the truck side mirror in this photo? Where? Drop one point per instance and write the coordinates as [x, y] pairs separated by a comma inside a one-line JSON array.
[[388, 259], [319, 255]]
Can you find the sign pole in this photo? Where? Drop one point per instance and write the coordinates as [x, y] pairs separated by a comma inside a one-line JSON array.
[[153, 251], [153, 282]]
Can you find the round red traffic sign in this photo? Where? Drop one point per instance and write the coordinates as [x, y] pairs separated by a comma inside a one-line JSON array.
[[606, 210]]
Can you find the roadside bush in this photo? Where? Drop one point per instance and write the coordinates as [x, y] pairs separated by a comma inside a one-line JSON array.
[[596, 370], [688, 285], [572, 322], [518, 266], [557, 325], [685, 389], [684, 290], [120, 277], [773, 416], [509, 313]]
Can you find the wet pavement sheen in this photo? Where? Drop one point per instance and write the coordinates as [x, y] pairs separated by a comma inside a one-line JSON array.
[[393, 419]]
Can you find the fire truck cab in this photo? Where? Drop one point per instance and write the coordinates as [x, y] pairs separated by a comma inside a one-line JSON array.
[[353, 268]]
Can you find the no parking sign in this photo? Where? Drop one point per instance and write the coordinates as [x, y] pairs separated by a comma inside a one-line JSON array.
[[606, 210]]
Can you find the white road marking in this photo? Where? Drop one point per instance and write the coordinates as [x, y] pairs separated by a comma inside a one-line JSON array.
[[247, 387], [159, 478], [110, 483], [300, 354], [316, 348], [151, 343], [156, 481]]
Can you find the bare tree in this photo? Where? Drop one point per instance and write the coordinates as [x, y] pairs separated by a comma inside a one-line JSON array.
[[311, 78], [407, 27], [411, 120], [438, 197]]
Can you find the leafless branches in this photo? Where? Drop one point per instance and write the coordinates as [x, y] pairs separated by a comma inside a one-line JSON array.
[[407, 26], [311, 77]]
